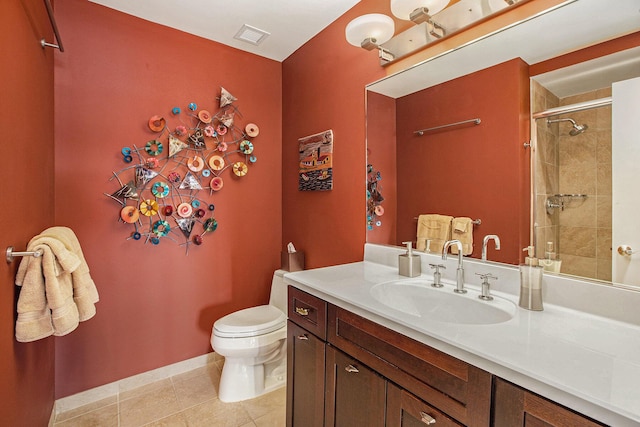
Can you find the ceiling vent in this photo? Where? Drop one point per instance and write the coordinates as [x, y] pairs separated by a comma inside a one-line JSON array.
[[251, 35]]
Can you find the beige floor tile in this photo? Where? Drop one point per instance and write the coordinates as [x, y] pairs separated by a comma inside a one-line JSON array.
[[196, 389], [277, 418], [86, 408], [265, 404], [175, 420], [185, 400], [103, 417], [144, 408], [216, 413], [145, 389]]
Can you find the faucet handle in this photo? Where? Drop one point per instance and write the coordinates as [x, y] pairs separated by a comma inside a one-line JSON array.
[[437, 275], [485, 292]]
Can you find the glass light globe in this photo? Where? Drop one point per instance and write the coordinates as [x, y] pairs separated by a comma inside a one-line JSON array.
[[374, 25], [403, 8]]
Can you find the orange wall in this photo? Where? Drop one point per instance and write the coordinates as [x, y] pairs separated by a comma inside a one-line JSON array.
[[26, 190], [381, 153], [486, 169], [324, 89], [157, 305]]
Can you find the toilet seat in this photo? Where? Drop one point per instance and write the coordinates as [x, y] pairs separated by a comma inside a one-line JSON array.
[[250, 322]]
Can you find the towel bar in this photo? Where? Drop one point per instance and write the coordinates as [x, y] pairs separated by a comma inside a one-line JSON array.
[[422, 131], [56, 34], [11, 254], [474, 222]]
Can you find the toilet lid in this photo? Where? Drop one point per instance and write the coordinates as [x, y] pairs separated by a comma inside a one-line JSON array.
[[250, 322]]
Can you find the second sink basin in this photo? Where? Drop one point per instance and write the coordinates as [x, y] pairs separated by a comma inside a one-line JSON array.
[[418, 298]]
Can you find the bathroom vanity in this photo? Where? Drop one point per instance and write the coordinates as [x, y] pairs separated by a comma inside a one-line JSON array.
[[357, 356]]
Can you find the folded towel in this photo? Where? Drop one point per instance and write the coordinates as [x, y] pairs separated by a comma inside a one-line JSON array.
[[463, 231], [57, 291], [435, 228], [85, 293]]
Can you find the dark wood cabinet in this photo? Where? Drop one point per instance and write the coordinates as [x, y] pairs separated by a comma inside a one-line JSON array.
[[454, 387], [344, 370], [515, 406], [355, 394], [406, 410], [305, 377]]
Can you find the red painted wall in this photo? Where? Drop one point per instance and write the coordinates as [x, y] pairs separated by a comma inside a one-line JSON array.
[[381, 153], [26, 190], [477, 171], [323, 89], [157, 305]]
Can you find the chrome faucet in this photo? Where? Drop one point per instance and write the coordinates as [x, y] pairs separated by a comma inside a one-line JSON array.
[[484, 244], [460, 271]]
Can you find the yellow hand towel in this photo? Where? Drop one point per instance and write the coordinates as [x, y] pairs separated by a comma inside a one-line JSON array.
[[463, 231], [85, 293], [47, 292], [435, 228], [57, 290]]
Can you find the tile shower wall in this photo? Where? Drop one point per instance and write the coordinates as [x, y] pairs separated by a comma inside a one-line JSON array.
[[580, 164], [546, 171], [585, 168]]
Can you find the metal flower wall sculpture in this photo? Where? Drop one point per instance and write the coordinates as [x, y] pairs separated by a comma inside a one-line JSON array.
[[167, 186]]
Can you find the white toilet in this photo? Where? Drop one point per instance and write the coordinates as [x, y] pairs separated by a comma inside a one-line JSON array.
[[253, 342]]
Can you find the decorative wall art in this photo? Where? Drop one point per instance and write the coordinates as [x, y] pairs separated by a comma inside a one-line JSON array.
[[316, 159], [374, 198], [166, 191]]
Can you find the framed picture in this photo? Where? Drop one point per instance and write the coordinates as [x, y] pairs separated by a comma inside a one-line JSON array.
[[316, 160]]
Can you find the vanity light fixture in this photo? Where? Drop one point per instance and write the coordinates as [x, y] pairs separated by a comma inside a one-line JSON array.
[[370, 31], [417, 11], [434, 19]]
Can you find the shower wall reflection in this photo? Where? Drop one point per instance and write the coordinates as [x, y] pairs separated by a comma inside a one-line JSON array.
[[579, 227]]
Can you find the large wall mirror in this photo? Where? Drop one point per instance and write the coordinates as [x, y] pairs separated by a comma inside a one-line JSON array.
[[450, 137]]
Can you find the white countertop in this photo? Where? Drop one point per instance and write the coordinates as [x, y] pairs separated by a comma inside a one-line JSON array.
[[587, 362]]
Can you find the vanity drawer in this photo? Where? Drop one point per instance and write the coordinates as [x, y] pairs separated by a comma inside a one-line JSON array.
[[454, 387], [307, 311], [404, 409]]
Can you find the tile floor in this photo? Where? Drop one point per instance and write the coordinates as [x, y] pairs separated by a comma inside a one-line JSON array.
[[188, 399]]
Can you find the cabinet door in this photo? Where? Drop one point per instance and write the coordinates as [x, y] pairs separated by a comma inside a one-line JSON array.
[[514, 406], [406, 410], [355, 394], [305, 378]]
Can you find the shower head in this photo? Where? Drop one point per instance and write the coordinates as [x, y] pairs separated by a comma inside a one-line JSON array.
[[577, 129]]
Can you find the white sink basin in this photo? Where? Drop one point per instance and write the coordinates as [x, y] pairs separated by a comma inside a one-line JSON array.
[[418, 298]]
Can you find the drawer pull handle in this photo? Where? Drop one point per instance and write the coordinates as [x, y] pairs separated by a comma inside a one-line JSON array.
[[303, 337], [426, 418], [302, 311], [351, 369]]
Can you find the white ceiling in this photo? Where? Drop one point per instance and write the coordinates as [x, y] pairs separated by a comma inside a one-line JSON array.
[[291, 23]]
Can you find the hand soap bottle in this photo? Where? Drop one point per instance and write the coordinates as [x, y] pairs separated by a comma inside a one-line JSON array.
[[409, 264], [551, 262], [531, 282]]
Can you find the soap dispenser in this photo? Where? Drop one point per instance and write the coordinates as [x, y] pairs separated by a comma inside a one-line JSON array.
[[531, 282], [550, 263], [409, 264]]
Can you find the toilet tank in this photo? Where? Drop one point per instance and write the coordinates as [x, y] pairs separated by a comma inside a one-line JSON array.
[[279, 291]]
